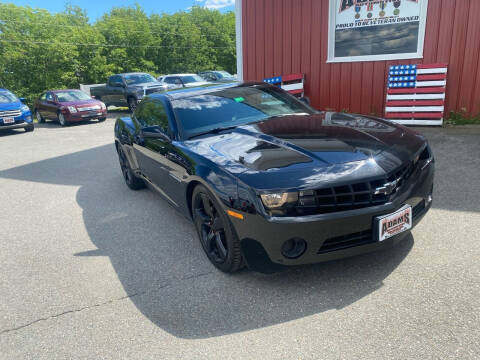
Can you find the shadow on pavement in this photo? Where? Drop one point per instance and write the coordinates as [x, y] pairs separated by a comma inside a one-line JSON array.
[[163, 270]]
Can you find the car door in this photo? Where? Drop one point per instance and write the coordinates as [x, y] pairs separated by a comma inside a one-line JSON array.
[[157, 157], [50, 106], [116, 91], [41, 105]]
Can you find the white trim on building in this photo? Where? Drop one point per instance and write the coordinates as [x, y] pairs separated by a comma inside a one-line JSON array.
[[239, 38]]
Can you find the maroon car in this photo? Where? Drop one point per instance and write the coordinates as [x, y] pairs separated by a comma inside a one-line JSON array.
[[68, 106]]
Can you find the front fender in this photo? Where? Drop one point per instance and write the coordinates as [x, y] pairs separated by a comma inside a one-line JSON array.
[[124, 132]]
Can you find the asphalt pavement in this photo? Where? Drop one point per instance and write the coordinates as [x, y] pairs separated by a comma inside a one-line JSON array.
[[92, 270]]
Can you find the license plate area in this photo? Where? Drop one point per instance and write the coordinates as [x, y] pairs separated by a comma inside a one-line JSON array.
[[8, 120], [393, 224]]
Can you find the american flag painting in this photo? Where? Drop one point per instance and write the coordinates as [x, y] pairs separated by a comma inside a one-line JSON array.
[[416, 94], [292, 83]]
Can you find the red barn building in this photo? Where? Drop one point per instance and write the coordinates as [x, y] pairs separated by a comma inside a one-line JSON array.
[[345, 47]]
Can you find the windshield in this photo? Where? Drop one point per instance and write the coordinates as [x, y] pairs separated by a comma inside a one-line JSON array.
[[7, 97], [234, 106], [191, 79], [72, 95], [139, 79], [223, 74]]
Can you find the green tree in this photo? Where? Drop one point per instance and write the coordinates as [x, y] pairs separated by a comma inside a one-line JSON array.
[[40, 50]]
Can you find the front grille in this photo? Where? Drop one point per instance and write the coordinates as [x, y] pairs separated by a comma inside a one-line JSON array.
[[89, 108], [153, 90], [10, 113], [346, 241], [359, 238], [353, 196]]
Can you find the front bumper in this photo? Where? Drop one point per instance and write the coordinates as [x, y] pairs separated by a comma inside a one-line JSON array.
[[86, 116], [262, 237], [21, 122]]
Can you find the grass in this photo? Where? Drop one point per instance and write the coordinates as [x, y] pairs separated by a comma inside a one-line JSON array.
[[463, 118]]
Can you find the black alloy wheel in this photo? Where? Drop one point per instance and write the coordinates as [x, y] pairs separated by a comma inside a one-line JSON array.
[[217, 237], [132, 181]]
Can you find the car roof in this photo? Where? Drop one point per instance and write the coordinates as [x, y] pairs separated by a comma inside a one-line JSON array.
[[131, 73], [175, 94], [179, 75], [60, 90]]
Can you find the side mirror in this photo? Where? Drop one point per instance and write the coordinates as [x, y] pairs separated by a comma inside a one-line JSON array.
[[22, 99], [155, 132], [305, 100]]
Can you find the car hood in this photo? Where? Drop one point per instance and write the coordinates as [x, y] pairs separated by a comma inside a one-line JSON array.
[[310, 149], [81, 103], [148, 85], [198, 83], [11, 106]]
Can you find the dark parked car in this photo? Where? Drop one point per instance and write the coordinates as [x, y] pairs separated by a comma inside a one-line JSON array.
[[268, 181], [67, 106], [127, 89], [217, 76], [177, 81], [14, 114]]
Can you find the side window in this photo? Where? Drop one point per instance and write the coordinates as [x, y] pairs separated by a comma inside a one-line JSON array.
[[169, 80], [151, 113], [115, 79], [49, 96], [43, 97]]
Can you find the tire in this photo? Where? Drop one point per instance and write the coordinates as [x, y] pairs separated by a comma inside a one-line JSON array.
[[132, 104], [132, 181], [61, 119], [39, 117], [29, 128], [216, 233]]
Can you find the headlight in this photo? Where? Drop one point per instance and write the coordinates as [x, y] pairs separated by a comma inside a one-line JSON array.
[[103, 106], [25, 108], [72, 109], [275, 201]]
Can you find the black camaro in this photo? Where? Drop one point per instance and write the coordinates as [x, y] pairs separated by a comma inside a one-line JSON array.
[[269, 181]]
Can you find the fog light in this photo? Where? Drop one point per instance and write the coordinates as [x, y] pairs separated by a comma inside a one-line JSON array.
[[294, 248]]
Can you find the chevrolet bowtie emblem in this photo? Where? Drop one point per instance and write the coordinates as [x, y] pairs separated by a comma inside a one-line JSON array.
[[386, 189]]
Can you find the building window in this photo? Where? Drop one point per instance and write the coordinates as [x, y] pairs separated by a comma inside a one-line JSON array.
[[370, 30]]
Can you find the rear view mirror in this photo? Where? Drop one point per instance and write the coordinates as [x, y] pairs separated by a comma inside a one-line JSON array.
[[155, 132]]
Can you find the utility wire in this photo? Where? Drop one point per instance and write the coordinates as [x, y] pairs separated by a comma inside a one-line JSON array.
[[111, 45]]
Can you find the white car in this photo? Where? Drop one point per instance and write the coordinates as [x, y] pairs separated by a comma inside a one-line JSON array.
[[175, 81]]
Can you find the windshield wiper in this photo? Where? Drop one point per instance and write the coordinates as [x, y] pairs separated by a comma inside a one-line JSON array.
[[213, 131]]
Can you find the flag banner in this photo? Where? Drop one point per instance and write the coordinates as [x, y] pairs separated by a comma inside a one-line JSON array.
[[292, 83], [416, 94]]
